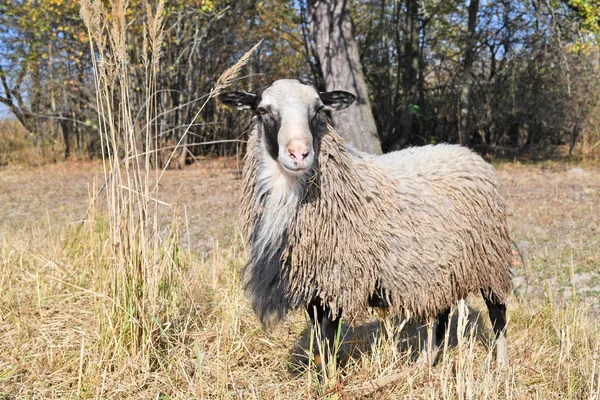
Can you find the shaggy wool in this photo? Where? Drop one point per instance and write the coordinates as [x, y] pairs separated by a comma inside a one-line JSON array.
[[423, 227]]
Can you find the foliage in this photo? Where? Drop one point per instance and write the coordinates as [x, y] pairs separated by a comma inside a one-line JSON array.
[[534, 70], [532, 83], [44, 69], [589, 12]]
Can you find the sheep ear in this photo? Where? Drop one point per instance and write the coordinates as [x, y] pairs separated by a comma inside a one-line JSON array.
[[336, 100], [239, 99]]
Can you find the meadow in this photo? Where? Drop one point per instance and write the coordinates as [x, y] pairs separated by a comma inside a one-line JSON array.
[[67, 332]]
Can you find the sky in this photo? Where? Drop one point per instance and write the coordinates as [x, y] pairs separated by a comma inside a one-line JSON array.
[[4, 113]]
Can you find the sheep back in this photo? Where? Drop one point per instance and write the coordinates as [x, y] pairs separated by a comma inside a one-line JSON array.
[[453, 238]]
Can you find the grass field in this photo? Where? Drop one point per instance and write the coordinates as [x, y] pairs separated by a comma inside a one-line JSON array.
[[55, 301]]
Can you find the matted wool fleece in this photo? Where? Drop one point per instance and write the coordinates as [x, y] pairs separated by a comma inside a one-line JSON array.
[[425, 226]]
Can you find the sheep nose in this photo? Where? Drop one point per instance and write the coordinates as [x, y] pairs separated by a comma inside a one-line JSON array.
[[298, 156], [298, 152]]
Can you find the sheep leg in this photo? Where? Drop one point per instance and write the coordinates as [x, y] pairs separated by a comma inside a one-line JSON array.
[[435, 337], [497, 311], [378, 299], [440, 329], [325, 330]]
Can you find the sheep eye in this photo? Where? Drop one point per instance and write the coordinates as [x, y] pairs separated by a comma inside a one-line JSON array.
[[261, 111]]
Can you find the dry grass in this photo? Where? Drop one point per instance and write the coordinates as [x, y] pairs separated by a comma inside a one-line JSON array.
[[555, 216], [213, 347], [139, 289], [19, 147]]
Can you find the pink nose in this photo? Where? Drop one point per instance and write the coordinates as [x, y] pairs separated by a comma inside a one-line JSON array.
[[298, 156]]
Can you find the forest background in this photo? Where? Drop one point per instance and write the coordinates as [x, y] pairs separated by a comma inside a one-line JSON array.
[[505, 77]]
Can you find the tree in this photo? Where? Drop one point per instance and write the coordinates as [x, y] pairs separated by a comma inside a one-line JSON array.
[[467, 81], [44, 68], [333, 34], [411, 68], [588, 11]]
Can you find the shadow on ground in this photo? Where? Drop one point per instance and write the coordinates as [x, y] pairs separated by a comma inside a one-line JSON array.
[[409, 337]]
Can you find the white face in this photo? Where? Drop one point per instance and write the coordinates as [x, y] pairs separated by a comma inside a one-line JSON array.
[[289, 112]]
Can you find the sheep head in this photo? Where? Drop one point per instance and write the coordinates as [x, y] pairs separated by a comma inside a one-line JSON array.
[[287, 115]]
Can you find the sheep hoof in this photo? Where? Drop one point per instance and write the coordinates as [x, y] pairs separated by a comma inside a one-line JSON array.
[[431, 347], [428, 357], [501, 352], [502, 361]]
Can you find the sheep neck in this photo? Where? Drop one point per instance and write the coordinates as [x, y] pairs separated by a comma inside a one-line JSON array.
[[278, 195]]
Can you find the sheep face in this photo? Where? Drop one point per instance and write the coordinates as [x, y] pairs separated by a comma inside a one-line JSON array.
[[288, 114]]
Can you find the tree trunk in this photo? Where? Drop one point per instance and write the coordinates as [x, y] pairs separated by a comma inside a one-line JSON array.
[[574, 136], [467, 81], [183, 148], [66, 131], [333, 32], [410, 75]]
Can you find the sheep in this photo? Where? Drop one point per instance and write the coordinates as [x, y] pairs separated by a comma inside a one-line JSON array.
[[336, 230]]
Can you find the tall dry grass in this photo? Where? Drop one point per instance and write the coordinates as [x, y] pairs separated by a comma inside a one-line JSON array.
[[137, 263], [140, 267]]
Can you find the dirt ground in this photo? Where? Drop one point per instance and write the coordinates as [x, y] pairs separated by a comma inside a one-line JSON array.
[[554, 214], [203, 195]]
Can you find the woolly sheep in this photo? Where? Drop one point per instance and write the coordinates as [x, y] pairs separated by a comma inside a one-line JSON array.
[[336, 230]]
